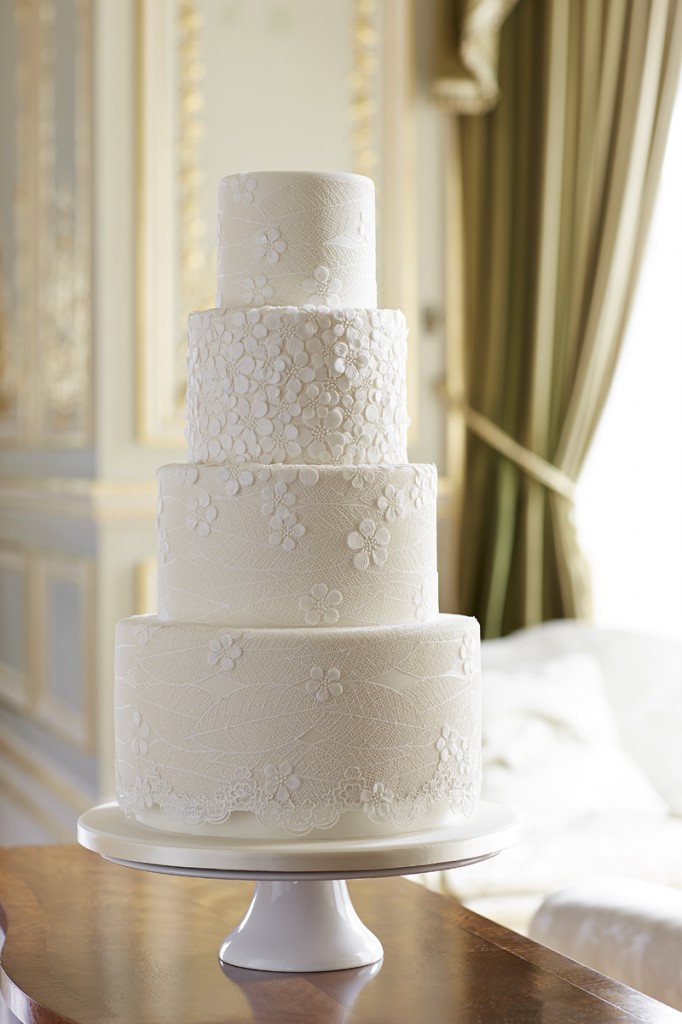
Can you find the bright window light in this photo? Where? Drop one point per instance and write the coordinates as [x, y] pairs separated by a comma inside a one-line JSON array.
[[629, 496]]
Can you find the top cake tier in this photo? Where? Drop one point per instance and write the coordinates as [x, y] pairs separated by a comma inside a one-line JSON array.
[[296, 238]]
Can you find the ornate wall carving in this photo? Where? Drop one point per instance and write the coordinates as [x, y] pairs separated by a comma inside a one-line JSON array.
[[45, 224]]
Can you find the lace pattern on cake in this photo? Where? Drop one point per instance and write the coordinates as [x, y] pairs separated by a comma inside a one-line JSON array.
[[292, 385], [283, 545], [276, 734], [284, 239]]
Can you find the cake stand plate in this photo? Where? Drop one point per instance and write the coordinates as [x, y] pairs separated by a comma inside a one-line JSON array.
[[301, 917]]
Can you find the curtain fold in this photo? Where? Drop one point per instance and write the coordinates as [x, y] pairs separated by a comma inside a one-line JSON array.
[[557, 184]]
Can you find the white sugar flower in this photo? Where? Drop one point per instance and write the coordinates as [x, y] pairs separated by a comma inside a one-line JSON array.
[[419, 599], [280, 782], [235, 478], [324, 684], [269, 362], [256, 290], [283, 442], [235, 372], [320, 605], [270, 245], [201, 514], [391, 503], [316, 402], [142, 794], [351, 360], [223, 652], [466, 653], [278, 501], [345, 325], [322, 288], [308, 475], [359, 476], [243, 186], [446, 744], [423, 491], [364, 228], [186, 475], [247, 424], [140, 732], [163, 547], [287, 532], [284, 400], [201, 334], [250, 329], [326, 440], [377, 801], [369, 544], [291, 327], [450, 745], [349, 789]]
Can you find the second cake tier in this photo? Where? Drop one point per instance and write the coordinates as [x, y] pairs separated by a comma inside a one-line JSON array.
[[297, 384], [281, 545]]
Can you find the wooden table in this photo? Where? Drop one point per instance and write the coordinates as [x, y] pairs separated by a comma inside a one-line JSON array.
[[93, 942]]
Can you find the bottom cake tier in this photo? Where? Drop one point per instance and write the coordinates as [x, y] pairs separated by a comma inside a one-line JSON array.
[[264, 733]]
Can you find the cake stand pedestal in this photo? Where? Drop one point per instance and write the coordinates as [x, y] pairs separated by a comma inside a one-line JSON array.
[[301, 917]]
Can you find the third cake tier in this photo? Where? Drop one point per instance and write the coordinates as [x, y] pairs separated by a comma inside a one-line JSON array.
[[255, 545]]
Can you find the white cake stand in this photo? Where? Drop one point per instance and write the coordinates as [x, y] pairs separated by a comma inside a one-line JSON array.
[[301, 917]]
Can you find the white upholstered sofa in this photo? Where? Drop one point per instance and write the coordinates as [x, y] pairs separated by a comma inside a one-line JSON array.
[[583, 736]]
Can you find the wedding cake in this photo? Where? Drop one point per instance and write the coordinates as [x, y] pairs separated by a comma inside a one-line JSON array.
[[298, 678]]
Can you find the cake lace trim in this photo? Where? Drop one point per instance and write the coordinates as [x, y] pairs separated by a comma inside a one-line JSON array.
[[276, 796]]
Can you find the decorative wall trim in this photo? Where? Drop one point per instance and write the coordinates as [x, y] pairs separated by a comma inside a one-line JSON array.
[[46, 322], [159, 402], [27, 760], [146, 591], [33, 809], [75, 726], [97, 500], [397, 182], [14, 684]]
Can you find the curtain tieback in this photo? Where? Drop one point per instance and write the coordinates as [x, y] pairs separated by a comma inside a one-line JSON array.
[[532, 464]]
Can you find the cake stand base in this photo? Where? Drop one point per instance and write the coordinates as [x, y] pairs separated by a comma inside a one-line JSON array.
[[301, 917], [301, 926]]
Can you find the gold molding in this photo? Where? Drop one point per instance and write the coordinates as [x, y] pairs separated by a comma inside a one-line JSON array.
[[196, 266], [398, 183], [46, 356], [159, 419], [362, 81]]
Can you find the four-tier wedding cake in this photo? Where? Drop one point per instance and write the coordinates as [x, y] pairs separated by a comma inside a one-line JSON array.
[[298, 679]]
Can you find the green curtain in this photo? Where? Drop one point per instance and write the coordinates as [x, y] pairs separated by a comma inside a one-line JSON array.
[[560, 114]]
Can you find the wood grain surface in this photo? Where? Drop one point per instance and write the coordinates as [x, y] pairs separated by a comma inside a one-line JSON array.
[[95, 943]]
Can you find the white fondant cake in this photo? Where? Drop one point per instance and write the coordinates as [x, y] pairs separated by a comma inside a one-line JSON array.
[[254, 545], [297, 727], [297, 385], [298, 678], [296, 238]]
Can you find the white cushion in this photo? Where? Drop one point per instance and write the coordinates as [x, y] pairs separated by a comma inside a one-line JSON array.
[[643, 684], [646, 848], [551, 749], [625, 928]]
